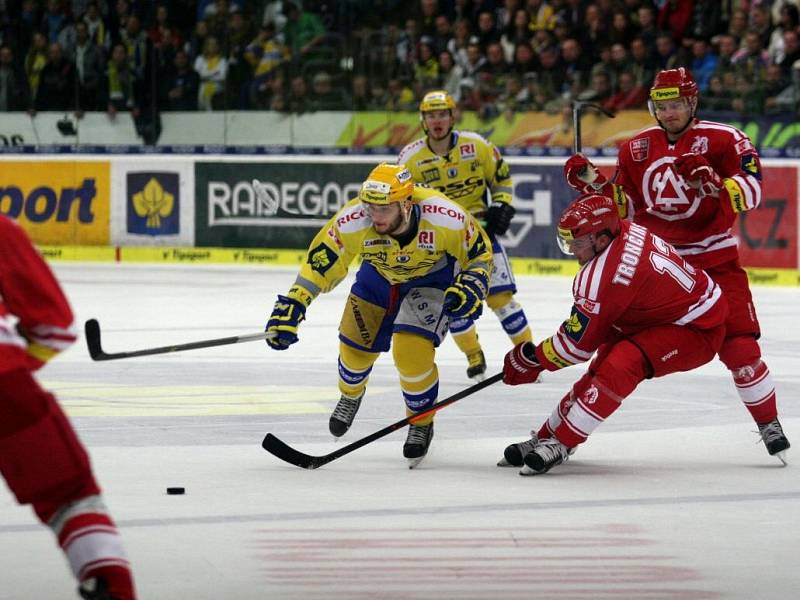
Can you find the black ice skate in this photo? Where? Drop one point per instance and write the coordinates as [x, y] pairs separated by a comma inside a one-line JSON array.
[[95, 588], [514, 455], [417, 443], [476, 369], [547, 454], [343, 415], [774, 439]]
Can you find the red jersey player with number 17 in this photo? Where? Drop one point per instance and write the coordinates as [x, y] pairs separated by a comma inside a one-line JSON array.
[[686, 180], [640, 306]]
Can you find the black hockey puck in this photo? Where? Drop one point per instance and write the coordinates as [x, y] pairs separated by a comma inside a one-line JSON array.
[[176, 491]]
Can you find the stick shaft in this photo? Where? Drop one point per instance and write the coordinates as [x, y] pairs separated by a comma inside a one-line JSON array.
[[93, 341], [283, 451], [577, 109]]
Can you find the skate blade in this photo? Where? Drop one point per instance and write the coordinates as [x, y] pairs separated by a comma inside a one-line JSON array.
[[526, 471], [781, 456], [414, 462], [504, 463], [478, 378]]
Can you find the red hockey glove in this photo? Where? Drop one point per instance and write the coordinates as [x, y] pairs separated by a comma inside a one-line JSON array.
[[521, 366], [698, 174], [582, 175]]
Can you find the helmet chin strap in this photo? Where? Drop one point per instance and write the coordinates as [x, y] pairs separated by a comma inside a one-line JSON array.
[[405, 217]]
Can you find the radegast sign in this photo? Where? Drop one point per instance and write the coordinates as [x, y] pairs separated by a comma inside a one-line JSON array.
[[294, 201], [297, 198]]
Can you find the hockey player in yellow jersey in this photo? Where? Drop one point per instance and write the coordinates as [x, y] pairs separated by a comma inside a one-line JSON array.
[[471, 172], [425, 261]]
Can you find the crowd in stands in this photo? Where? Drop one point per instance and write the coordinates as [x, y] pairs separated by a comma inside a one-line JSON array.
[[493, 56]]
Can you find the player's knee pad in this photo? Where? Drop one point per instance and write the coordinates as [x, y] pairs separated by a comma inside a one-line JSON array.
[[740, 351], [354, 368], [41, 457], [622, 369], [419, 377]]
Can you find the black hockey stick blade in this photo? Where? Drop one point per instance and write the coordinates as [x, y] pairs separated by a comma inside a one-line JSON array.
[[286, 453], [92, 331]]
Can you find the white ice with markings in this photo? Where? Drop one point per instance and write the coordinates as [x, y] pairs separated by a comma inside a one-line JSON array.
[[673, 497]]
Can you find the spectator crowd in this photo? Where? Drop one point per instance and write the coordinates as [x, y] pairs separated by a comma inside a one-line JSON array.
[[493, 56]]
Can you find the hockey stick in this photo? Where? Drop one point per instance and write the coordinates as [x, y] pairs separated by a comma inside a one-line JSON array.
[[578, 107], [92, 329], [281, 450]]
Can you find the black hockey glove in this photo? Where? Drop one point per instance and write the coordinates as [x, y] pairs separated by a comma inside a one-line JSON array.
[[498, 218]]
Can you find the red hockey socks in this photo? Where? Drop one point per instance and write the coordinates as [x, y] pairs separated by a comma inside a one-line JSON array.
[[757, 391], [93, 546]]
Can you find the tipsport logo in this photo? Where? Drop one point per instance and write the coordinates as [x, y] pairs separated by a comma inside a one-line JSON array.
[[45, 203]]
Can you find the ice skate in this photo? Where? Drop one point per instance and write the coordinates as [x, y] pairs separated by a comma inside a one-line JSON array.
[[476, 369], [417, 443], [546, 455], [343, 415], [774, 439], [514, 455], [95, 588]]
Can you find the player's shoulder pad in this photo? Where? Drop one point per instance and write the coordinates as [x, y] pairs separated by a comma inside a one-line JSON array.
[[646, 132], [727, 135], [722, 128], [639, 144], [352, 217], [441, 212], [473, 136], [410, 150]]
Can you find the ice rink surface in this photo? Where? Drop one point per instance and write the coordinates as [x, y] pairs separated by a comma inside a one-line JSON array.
[[673, 497]]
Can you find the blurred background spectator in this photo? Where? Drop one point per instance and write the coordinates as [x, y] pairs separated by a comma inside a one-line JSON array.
[[14, 93], [493, 56]]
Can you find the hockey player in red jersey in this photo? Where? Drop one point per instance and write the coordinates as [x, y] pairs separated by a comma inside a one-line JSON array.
[[638, 304], [41, 458], [686, 180]]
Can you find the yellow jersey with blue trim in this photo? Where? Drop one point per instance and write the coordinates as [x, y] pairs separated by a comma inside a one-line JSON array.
[[443, 229], [471, 167]]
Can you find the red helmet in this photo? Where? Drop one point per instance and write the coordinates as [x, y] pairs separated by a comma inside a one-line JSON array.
[[589, 213], [672, 84]]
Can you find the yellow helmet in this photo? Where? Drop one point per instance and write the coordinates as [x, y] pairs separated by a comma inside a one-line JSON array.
[[437, 100], [387, 183]]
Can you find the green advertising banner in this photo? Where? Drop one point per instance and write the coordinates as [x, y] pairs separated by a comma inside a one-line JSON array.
[[298, 199]]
